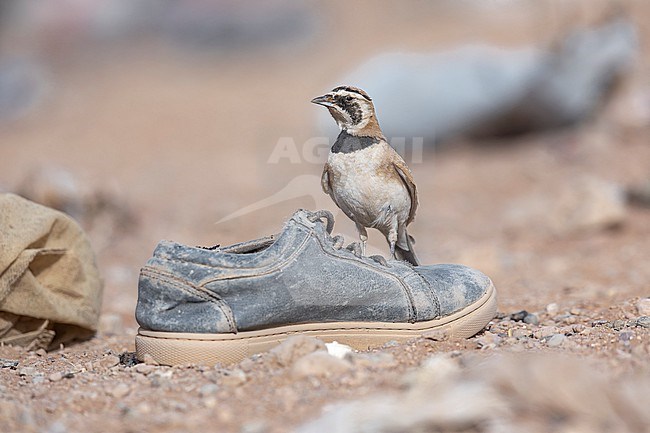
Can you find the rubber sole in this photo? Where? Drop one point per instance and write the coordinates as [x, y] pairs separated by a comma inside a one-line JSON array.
[[168, 348]]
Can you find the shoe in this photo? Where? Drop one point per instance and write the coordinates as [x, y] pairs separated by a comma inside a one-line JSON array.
[[222, 304]]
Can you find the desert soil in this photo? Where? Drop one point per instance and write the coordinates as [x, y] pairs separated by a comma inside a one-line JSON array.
[[178, 143]]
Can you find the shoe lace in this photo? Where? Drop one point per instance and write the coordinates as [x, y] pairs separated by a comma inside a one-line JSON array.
[[326, 217]]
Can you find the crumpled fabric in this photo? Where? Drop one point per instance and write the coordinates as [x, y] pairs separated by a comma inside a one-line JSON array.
[[50, 287]]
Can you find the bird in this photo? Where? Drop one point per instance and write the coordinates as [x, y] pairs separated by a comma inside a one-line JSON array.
[[365, 177]]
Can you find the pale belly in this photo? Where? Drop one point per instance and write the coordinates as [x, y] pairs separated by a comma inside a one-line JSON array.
[[366, 195]]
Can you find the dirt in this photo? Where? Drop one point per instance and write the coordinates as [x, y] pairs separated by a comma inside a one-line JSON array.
[[177, 142]]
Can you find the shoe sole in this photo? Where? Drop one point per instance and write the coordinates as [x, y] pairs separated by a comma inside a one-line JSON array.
[[169, 348]]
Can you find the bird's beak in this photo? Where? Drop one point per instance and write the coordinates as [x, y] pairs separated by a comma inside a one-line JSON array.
[[326, 100]]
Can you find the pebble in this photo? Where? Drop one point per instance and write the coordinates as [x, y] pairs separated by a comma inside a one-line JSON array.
[[626, 336], [128, 359], [519, 315], [8, 363], [208, 389], [390, 343], [552, 309], [432, 372], [319, 364], [247, 365], [294, 348], [578, 328], [600, 323], [234, 377], [546, 331], [374, 360], [521, 333], [38, 378], [254, 427], [556, 340], [109, 361], [488, 340], [437, 335], [338, 350], [531, 319], [27, 371], [148, 359], [55, 377], [570, 319], [643, 306], [643, 322], [144, 369], [119, 391], [618, 324]]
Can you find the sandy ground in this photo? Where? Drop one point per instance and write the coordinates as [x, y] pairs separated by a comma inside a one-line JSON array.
[[178, 143]]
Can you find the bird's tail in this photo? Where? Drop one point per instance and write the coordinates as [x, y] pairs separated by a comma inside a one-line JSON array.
[[407, 255]]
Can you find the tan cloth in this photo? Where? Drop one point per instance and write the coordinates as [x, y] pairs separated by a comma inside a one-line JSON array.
[[50, 288]]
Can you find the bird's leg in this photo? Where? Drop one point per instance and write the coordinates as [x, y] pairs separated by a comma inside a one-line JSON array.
[[363, 236], [392, 240]]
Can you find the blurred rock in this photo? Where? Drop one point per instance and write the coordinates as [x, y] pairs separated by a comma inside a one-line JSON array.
[[320, 364], [643, 307], [144, 368], [208, 389], [103, 214], [503, 393], [435, 370], [639, 195], [107, 362], [556, 340], [8, 363], [55, 187], [27, 371], [55, 377], [294, 348], [373, 360], [531, 319], [585, 204], [234, 25], [234, 377], [488, 340], [643, 322], [552, 309], [22, 87], [485, 91], [149, 360], [120, 390]]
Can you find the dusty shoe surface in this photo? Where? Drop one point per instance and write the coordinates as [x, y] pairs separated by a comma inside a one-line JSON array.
[[199, 305]]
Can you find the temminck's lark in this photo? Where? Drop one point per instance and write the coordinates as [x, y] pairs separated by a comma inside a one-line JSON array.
[[365, 176]]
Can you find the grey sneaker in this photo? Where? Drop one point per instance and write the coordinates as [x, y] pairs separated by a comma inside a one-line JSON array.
[[222, 304]]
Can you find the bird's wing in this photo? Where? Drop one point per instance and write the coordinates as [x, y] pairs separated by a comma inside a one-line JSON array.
[[325, 180], [406, 176], [326, 184]]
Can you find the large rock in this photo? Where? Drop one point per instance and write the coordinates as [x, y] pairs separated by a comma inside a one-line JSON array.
[[504, 393], [487, 91]]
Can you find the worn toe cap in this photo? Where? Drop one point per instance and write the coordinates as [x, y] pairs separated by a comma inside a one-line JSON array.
[[455, 286]]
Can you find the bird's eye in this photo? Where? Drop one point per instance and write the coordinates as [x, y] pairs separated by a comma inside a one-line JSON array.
[[348, 98]]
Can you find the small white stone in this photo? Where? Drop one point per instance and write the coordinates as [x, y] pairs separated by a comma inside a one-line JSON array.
[[338, 350]]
